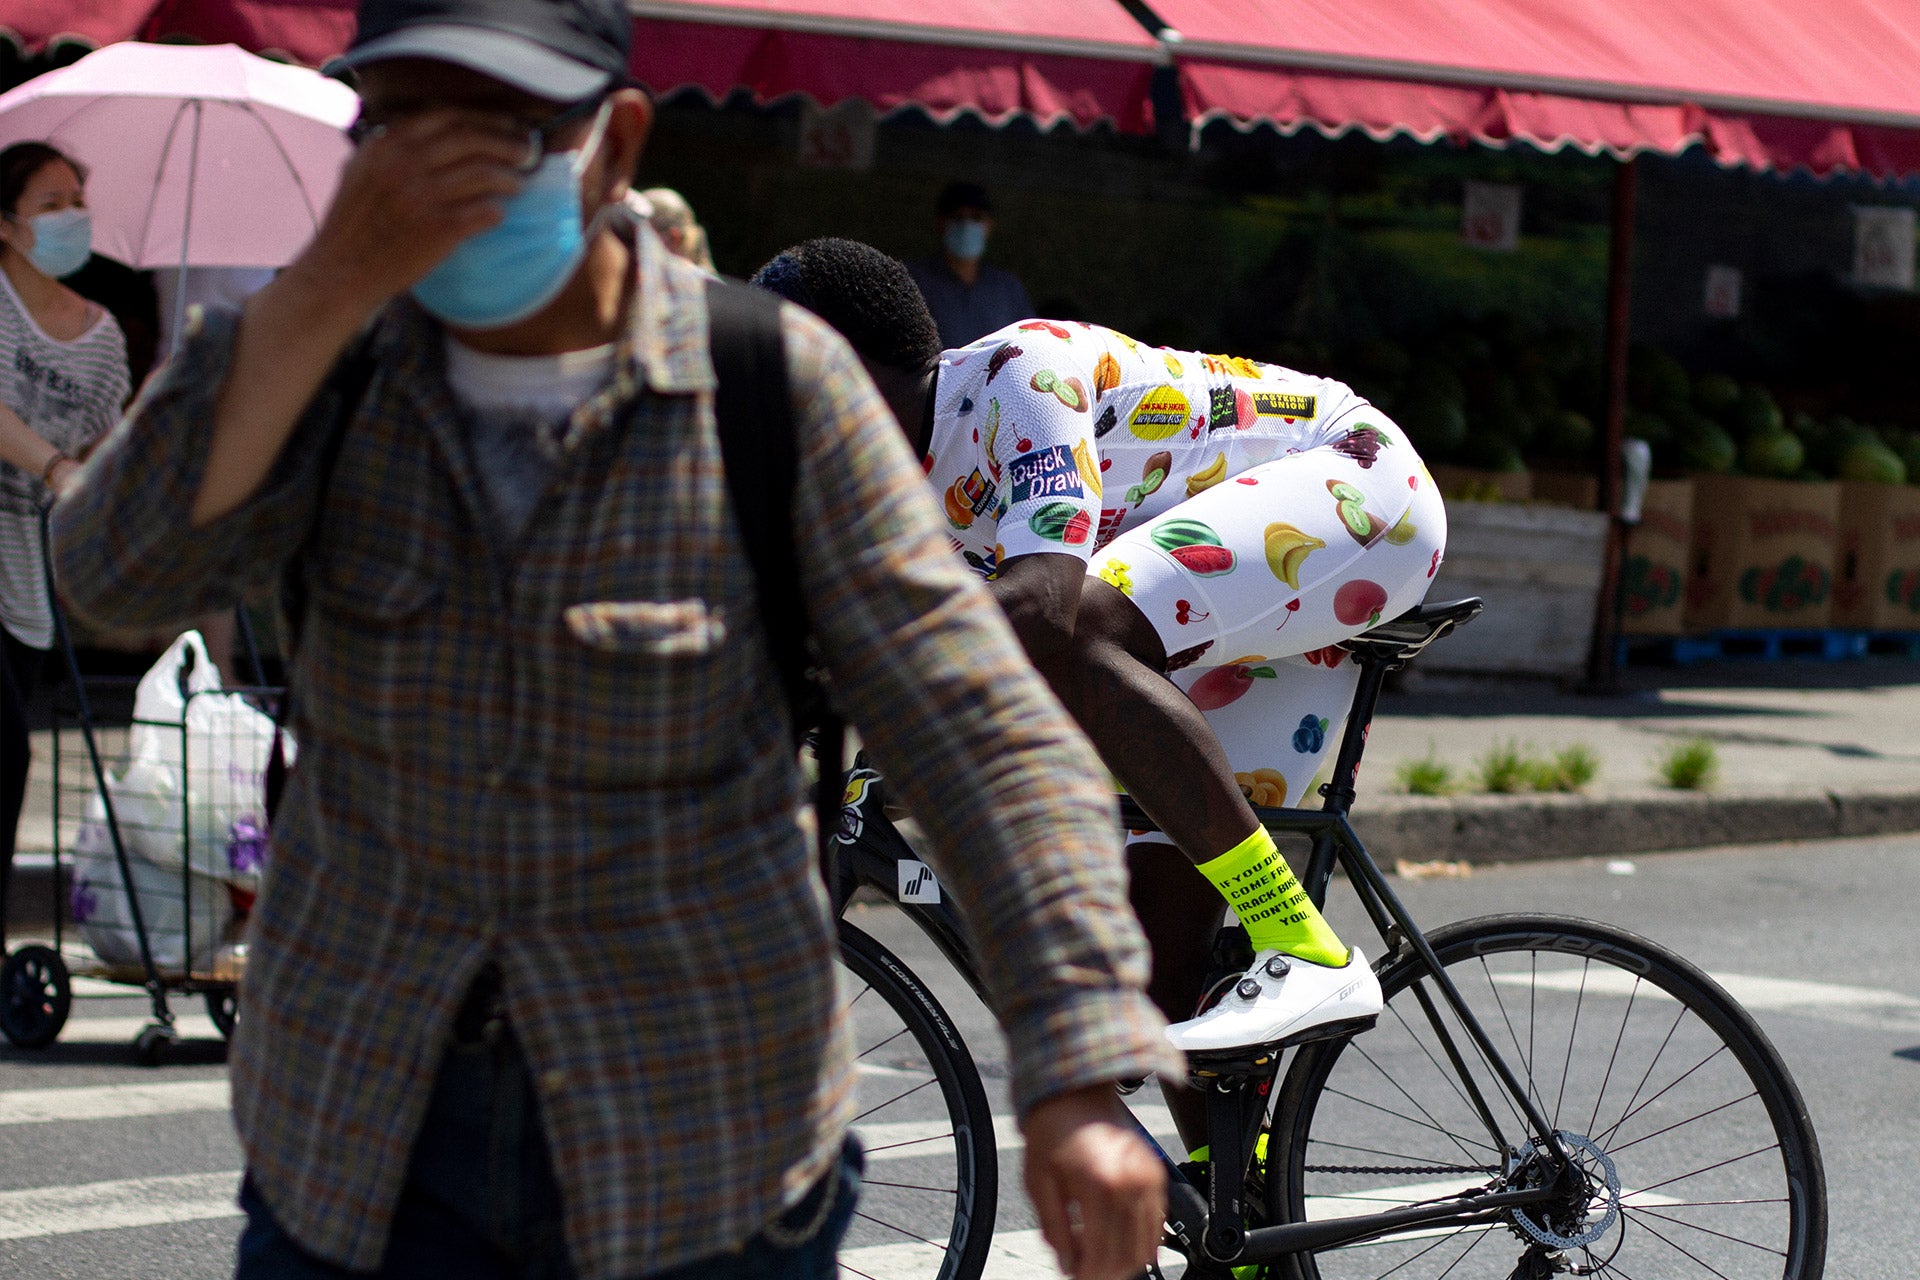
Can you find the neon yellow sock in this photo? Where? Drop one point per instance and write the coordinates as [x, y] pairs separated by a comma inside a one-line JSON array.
[[1262, 890]]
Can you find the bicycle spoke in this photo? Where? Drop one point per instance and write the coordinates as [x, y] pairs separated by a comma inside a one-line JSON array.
[[889, 1226], [1732, 1160], [908, 1186], [1493, 989], [1681, 1250], [1681, 1124], [1634, 1098], [1600, 1097], [1427, 1123], [1694, 1226], [1432, 1121], [880, 1106], [1573, 1033], [912, 1142], [1669, 1088]]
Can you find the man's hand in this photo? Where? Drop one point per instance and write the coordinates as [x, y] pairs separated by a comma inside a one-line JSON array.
[[408, 195], [1100, 1193]]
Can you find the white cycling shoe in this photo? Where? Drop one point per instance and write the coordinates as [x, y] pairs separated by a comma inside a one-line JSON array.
[[1285, 1000]]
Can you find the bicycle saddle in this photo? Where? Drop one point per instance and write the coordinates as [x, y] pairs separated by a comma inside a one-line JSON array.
[[1405, 636]]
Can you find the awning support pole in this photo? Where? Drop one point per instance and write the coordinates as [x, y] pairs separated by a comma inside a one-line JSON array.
[[1603, 666]]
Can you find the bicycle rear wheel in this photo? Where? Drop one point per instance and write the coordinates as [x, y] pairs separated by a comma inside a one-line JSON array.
[[1695, 1152], [931, 1189]]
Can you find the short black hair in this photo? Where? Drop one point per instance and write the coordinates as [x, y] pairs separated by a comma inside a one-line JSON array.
[[956, 196], [863, 293]]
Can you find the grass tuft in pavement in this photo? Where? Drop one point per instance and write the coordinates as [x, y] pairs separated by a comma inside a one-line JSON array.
[[1693, 765]]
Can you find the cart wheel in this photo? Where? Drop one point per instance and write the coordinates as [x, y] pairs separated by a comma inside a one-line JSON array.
[[35, 996], [152, 1044], [223, 1007]]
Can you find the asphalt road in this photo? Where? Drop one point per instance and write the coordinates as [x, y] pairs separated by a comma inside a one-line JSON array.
[[111, 1170]]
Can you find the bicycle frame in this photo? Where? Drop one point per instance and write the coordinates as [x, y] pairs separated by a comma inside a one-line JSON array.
[[869, 850]]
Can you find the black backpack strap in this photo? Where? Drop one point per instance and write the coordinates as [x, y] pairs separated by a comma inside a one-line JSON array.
[[760, 450], [347, 386]]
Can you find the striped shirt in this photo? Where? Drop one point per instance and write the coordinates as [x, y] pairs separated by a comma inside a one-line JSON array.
[[69, 393], [573, 759]]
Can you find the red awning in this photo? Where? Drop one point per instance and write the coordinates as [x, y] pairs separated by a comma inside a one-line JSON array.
[[1770, 84], [1052, 60], [305, 31], [33, 24]]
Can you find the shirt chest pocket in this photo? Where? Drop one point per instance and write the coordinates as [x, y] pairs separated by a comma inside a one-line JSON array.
[[653, 628]]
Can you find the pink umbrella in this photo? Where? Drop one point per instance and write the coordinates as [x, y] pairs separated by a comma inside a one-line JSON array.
[[200, 156]]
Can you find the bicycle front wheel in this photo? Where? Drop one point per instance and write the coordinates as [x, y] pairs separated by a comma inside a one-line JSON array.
[[1693, 1150], [932, 1185]]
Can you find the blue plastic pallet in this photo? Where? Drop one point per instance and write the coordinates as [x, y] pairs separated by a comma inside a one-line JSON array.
[[1768, 646]]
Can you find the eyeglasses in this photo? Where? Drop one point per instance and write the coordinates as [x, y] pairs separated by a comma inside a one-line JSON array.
[[540, 134]]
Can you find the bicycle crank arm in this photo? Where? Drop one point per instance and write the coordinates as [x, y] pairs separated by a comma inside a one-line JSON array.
[[1263, 1244]]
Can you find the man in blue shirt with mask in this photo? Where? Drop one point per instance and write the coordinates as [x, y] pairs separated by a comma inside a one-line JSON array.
[[967, 297]]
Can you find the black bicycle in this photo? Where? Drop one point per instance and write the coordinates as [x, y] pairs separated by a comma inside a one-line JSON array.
[[1541, 1096]]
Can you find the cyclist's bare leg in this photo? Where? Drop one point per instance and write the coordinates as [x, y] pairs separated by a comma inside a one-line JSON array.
[[1180, 911], [1151, 736]]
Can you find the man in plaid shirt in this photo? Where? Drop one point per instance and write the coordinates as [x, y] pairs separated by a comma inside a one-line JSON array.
[[541, 975]]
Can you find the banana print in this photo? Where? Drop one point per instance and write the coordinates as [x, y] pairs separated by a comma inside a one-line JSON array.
[[1288, 549], [1088, 466], [1213, 474]]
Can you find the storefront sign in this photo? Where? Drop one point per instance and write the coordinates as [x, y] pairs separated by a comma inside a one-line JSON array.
[[1883, 247], [1723, 292], [837, 137], [1490, 216]]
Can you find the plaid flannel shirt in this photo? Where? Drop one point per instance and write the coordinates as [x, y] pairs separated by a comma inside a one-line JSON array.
[[571, 756]]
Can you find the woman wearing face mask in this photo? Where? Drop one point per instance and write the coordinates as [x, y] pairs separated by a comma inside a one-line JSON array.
[[63, 382]]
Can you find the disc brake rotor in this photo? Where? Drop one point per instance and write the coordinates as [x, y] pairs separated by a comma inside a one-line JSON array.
[[1570, 1223]]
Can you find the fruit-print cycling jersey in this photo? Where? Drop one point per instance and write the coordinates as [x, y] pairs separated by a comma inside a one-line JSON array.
[[1054, 437]]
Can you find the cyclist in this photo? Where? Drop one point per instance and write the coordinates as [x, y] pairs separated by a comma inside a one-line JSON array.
[[1143, 514]]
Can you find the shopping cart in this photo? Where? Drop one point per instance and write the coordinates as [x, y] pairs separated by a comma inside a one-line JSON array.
[[146, 893]]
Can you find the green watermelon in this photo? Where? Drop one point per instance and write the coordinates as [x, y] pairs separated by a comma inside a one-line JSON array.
[[1437, 427], [1538, 395], [1715, 394], [1911, 456], [1651, 427], [1872, 463], [1831, 441], [1756, 414], [1565, 434], [1386, 361], [1433, 380], [1778, 454], [1704, 444], [1506, 421], [1655, 380], [1491, 453]]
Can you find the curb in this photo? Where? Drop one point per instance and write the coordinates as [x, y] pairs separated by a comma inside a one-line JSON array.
[[1525, 828]]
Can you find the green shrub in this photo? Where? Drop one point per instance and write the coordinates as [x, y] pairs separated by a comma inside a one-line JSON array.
[[1693, 765], [1429, 776], [1571, 769], [1505, 768]]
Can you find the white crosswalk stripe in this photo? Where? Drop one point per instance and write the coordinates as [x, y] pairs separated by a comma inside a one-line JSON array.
[[128, 1202], [191, 1026], [1868, 1007], [111, 1101]]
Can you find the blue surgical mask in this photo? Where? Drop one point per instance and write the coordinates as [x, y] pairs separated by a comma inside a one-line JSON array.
[[507, 273], [966, 238], [62, 241]]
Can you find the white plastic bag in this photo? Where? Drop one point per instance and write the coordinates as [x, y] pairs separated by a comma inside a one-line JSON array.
[[189, 741]]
